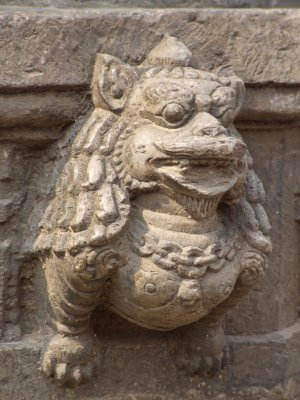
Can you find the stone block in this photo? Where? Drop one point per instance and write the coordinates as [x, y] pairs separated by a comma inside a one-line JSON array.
[[4, 263], [5, 162], [134, 371], [152, 3], [5, 209], [46, 47]]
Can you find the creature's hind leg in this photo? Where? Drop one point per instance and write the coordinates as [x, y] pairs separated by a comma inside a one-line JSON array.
[[73, 293], [204, 349]]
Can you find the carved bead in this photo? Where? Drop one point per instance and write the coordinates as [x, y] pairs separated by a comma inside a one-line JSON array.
[[150, 288]]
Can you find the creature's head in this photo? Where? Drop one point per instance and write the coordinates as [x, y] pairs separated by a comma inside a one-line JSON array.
[[179, 125], [160, 126]]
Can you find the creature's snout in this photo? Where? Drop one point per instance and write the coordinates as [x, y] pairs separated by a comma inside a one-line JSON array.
[[194, 147]]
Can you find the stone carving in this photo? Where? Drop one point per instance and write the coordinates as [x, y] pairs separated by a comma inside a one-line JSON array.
[[158, 213]]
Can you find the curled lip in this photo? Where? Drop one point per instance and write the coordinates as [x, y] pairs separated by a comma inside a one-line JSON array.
[[199, 166], [185, 163]]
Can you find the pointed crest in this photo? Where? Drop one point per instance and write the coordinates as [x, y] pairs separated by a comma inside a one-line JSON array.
[[169, 51]]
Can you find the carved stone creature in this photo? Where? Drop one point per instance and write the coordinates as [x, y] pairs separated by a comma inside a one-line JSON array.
[[157, 214]]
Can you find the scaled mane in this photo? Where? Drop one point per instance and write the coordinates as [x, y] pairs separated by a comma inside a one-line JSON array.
[[91, 205]]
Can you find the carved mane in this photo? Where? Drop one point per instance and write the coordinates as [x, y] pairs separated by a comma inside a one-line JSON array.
[[91, 205]]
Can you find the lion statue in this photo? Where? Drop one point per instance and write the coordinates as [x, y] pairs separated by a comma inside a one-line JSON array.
[[158, 212]]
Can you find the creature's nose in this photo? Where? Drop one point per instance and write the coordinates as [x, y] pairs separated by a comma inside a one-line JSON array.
[[211, 131], [206, 124], [194, 147]]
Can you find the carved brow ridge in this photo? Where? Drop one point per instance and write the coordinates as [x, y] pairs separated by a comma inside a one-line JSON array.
[[169, 92]]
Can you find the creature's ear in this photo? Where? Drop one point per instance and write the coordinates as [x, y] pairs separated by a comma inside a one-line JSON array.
[[228, 78], [112, 82], [238, 85]]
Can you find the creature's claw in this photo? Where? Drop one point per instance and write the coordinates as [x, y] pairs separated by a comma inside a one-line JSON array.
[[70, 361], [204, 351], [203, 365]]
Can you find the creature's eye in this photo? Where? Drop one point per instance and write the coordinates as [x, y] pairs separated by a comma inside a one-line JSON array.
[[174, 113]]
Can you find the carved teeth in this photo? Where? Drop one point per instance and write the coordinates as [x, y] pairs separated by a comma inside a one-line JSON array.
[[199, 207], [204, 162]]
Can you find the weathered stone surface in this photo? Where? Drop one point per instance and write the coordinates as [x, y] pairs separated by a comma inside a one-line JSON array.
[[273, 358], [4, 264], [47, 102], [71, 60], [48, 48], [5, 209], [5, 163], [277, 155], [152, 3], [271, 104], [41, 109]]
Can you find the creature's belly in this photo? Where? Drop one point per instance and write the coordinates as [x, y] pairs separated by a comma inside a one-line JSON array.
[[161, 299]]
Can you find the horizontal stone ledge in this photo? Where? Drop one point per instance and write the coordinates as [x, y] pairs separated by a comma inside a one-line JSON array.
[[269, 361], [47, 47], [42, 109], [35, 136], [271, 104], [153, 3], [39, 116]]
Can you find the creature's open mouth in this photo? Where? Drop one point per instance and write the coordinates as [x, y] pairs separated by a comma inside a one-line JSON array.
[[191, 163], [198, 187], [199, 166], [199, 180], [199, 170]]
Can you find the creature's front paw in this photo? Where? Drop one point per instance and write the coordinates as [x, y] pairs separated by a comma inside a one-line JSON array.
[[194, 362], [70, 360]]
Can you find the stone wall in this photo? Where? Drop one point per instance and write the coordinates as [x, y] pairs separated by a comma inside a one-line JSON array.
[[47, 58], [154, 3]]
